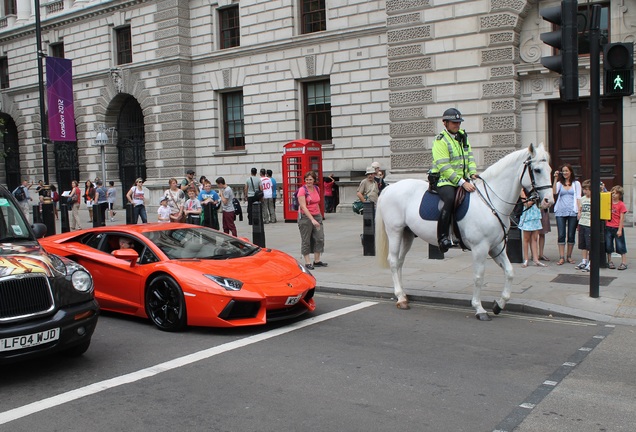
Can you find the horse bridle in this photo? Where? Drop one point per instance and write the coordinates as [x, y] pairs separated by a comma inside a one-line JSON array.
[[532, 196], [534, 192]]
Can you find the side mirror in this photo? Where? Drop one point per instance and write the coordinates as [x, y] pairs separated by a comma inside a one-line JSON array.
[[127, 255], [39, 229]]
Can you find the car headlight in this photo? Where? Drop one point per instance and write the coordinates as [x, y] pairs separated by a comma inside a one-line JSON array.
[[228, 283], [80, 278], [58, 264], [82, 281], [303, 269]]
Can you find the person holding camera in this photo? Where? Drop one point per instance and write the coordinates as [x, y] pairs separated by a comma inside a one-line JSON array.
[[566, 210], [454, 163]]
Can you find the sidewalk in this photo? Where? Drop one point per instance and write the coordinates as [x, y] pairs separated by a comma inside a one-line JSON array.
[[553, 290]]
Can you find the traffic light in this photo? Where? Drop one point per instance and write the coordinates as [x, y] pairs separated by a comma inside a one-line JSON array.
[[565, 39], [618, 63]]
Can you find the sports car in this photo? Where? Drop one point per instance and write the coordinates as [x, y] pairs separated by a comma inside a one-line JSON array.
[[181, 274]]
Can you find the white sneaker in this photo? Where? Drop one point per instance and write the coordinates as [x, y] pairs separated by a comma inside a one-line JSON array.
[[586, 268], [581, 265]]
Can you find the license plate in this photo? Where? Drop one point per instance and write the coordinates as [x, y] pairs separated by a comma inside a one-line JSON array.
[[31, 340], [293, 300]]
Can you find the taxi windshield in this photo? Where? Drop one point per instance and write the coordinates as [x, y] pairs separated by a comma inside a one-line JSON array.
[[13, 226]]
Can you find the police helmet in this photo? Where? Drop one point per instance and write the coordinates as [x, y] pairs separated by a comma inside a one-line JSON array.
[[453, 115]]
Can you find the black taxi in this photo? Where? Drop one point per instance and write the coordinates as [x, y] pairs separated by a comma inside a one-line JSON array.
[[47, 303]]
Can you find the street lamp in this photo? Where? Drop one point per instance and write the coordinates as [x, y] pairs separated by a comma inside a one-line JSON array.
[[101, 140]]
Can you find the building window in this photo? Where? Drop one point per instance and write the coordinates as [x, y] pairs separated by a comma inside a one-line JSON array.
[[318, 111], [124, 45], [313, 16], [4, 72], [10, 7], [57, 49], [233, 125], [584, 18], [230, 27]]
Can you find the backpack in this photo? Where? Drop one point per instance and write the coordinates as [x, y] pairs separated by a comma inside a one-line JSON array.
[[295, 205], [19, 194], [56, 196]]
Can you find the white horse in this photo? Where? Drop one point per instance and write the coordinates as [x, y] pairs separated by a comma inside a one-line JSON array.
[[483, 229]]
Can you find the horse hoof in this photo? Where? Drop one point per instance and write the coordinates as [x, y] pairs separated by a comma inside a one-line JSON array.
[[496, 309], [483, 317], [403, 305]]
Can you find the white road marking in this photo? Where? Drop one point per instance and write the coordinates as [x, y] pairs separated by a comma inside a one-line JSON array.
[[32, 408]]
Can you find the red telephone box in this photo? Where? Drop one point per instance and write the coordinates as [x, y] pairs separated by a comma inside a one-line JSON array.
[[300, 156]]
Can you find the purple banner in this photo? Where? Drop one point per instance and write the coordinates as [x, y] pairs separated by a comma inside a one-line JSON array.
[[59, 88]]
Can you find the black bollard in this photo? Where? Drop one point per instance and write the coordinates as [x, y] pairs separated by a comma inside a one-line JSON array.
[[64, 222], [602, 258], [514, 248], [193, 219], [206, 220], [130, 211], [368, 228], [434, 252], [37, 216], [99, 214], [48, 217], [258, 228]]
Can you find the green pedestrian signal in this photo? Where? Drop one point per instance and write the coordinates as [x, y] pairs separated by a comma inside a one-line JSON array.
[[618, 63]]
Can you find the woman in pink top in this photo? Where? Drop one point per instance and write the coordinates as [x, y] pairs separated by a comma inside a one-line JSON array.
[[310, 221]]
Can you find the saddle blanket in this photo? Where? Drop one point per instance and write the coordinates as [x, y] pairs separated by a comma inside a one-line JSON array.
[[429, 207]]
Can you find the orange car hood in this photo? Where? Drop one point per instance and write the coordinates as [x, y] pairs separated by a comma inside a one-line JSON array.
[[266, 266]]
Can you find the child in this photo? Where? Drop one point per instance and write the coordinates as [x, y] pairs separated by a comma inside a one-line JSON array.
[[192, 207], [585, 230], [163, 212], [614, 230], [530, 224]]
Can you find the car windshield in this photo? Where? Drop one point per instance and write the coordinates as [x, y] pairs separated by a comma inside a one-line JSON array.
[[13, 226], [199, 243]]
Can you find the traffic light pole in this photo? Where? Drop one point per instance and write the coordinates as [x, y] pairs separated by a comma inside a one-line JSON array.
[[595, 134]]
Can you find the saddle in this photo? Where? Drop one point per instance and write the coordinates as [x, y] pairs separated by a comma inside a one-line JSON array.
[[430, 210]]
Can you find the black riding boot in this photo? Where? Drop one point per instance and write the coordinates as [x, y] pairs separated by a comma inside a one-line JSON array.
[[443, 224]]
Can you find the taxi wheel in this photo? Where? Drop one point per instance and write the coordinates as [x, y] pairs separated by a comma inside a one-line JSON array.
[[165, 304]]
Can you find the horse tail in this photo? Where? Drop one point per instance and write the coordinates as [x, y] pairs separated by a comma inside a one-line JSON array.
[[381, 238]]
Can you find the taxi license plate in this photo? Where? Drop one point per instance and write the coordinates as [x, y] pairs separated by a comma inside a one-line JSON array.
[[30, 340], [293, 300]]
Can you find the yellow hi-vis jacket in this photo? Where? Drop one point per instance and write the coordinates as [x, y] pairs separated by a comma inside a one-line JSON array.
[[452, 160]]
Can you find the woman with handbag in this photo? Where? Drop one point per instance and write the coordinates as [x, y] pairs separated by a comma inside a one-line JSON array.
[[176, 199], [89, 194], [312, 235], [137, 196]]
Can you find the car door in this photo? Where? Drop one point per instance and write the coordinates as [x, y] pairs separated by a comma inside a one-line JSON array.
[[118, 284]]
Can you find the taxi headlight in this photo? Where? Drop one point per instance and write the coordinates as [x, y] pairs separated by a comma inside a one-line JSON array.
[[82, 281]]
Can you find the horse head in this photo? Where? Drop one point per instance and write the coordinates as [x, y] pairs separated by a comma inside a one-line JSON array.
[[536, 176]]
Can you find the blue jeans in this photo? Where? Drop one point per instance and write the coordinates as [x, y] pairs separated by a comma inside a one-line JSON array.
[[569, 223], [140, 210]]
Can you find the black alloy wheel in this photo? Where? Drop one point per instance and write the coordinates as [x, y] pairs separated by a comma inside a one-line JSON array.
[[165, 304]]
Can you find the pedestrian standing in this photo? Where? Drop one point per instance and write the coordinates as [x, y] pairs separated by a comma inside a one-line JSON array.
[[566, 210], [137, 196], [614, 233], [312, 234], [227, 206], [111, 196], [74, 199]]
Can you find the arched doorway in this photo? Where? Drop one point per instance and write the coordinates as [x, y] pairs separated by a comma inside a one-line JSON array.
[[131, 144], [10, 151], [66, 163]]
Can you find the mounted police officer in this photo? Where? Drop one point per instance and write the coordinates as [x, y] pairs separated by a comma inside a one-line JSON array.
[[454, 163]]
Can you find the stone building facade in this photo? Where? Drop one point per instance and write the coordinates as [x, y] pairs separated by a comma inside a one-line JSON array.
[[393, 67]]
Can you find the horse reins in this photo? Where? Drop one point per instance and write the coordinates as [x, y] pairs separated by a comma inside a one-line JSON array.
[[533, 196]]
